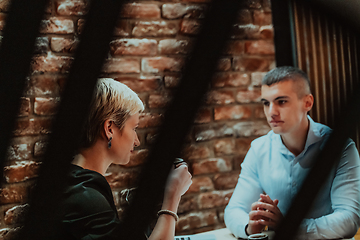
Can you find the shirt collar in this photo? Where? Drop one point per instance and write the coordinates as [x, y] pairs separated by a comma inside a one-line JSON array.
[[314, 135]]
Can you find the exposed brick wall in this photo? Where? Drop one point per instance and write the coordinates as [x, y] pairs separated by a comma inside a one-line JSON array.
[[150, 45]]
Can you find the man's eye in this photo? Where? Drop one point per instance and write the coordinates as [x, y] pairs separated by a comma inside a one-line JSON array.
[[266, 104], [282, 102]]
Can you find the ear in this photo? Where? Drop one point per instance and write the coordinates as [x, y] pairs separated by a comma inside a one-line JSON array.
[[108, 128], [308, 102]]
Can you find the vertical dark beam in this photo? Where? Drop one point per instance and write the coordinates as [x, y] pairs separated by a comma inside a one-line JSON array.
[[17, 46], [181, 113], [42, 219], [284, 33]]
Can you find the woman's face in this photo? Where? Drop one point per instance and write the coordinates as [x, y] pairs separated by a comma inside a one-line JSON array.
[[124, 141]]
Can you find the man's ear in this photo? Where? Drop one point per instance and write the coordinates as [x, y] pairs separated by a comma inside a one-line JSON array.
[[108, 128], [308, 102]]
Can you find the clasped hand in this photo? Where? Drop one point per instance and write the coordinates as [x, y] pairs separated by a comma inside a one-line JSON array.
[[264, 212]]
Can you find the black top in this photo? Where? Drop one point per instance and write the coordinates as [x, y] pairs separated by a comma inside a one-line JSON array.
[[88, 207]]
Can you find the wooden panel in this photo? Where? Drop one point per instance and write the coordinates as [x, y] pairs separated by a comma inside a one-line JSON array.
[[327, 52]]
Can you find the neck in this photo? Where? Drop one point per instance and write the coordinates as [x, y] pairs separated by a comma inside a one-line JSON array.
[[295, 141], [93, 158]]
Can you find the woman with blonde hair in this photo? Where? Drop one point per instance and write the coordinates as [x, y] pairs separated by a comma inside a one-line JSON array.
[[109, 137]]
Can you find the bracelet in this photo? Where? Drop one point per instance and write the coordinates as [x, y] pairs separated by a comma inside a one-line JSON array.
[[246, 230], [169, 213]]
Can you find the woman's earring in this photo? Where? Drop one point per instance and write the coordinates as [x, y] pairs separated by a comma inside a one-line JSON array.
[[109, 143]]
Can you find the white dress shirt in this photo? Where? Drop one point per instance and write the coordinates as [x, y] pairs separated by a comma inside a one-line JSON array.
[[271, 168]]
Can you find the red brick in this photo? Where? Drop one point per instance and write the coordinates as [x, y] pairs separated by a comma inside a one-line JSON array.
[[211, 165], [24, 107], [204, 133], [256, 78], [16, 215], [248, 31], [140, 10], [195, 220], [259, 112], [20, 151], [151, 136], [262, 18], [237, 161], [46, 106], [244, 16], [72, 8], [57, 26], [179, 10], [44, 85], [224, 181], [231, 80], [248, 129], [159, 100], [174, 46], [266, 32], [224, 64], [267, 5], [63, 45], [248, 95], [122, 28], [220, 97], [224, 147], [162, 64], [122, 178], [10, 233], [141, 84], [213, 199], [190, 26], [171, 81], [187, 204], [21, 171], [251, 64], [155, 29], [4, 5], [138, 157], [131, 46], [242, 145], [41, 45], [260, 47], [40, 148], [252, 3], [13, 194], [122, 65], [196, 152], [150, 120], [232, 112], [201, 184], [191, 1], [51, 63], [203, 116], [32, 126], [234, 47]]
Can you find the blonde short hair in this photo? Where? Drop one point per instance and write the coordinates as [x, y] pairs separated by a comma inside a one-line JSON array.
[[113, 101]]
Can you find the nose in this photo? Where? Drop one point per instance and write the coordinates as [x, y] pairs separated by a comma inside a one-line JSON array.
[[273, 110], [137, 141]]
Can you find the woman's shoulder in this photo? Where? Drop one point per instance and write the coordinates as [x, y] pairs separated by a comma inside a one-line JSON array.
[[87, 192]]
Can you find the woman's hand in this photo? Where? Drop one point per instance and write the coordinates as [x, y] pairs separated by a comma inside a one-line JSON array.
[[177, 184]]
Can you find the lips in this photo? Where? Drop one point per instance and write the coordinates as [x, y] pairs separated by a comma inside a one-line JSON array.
[[276, 122]]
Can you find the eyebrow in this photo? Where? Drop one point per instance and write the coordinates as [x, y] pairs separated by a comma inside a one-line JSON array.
[[278, 98]]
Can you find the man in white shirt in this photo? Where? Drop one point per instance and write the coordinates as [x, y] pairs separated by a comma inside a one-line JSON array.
[[277, 163]]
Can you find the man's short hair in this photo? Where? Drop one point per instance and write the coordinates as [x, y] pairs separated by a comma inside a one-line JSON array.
[[113, 101], [286, 73]]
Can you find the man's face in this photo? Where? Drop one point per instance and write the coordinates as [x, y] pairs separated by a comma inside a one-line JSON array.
[[284, 110]]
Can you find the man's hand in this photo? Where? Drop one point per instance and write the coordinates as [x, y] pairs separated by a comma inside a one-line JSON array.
[[264, 212]]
